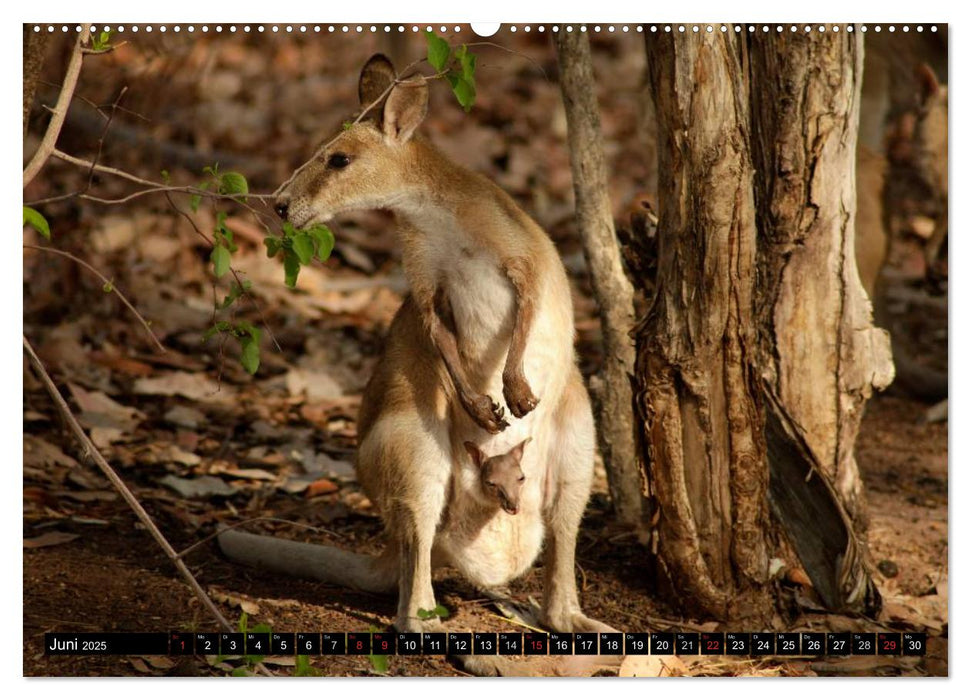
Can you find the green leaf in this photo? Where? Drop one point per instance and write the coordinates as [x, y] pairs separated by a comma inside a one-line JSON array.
[[220, 260], [273, 245], [233, 183], [250, 356], [466, 61], [36, 221], [324, 240], [100, 42], [235, 292], [241, 672], [223, 233], [440, 611], [347, 125], [196, 199], [438, 50], [108, 287], [291, 268], [379, 662], [303, 667], [243, 619], [463, 89], [218, 327], [303, 246]]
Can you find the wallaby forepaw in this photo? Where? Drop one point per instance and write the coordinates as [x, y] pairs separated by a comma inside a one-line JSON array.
[[488, 414], [519, 397]]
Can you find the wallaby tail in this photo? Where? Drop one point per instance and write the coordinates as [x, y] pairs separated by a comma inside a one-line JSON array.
[[377, 574]]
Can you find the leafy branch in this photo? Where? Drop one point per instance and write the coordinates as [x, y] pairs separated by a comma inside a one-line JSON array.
[[457, 65]]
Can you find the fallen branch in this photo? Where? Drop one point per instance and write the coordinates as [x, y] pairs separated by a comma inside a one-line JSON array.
[[59, 112], [110, 286], [91, 451]]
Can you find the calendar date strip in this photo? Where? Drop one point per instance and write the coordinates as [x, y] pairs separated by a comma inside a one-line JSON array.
[[752, 644]]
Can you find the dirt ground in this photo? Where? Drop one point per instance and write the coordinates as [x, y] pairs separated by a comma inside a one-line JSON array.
[[114, 578], [203, 444]]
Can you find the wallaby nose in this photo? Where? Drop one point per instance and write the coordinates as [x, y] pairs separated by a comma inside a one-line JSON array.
[[281, 209]]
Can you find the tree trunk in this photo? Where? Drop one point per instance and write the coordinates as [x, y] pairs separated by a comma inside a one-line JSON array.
[[35, 44], [758, 353], [612, 289], [821, 354], [696, 350]]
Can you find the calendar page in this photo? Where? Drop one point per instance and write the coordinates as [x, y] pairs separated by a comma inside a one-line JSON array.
[[395, 349]]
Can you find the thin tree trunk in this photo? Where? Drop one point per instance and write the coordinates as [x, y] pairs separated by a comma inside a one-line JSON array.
[[612, 289], [35, 44], [697, 385]]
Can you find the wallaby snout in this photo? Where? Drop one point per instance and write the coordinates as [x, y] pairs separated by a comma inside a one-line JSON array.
[[371, 162]]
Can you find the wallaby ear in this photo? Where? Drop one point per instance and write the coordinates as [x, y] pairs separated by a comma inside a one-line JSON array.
[[927, 82], [376, 77], [405, 108], [517, 451], [474, 452]]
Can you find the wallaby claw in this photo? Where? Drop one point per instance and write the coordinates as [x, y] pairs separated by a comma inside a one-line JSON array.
[[519, 397], [487, 413]]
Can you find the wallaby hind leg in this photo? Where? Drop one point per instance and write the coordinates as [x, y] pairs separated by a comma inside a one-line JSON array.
[[571, 451], [377, 574], [406, 464], [414, 528]]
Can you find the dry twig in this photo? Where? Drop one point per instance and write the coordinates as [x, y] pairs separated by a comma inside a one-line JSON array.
[[59, 112], [110, 286], [92, 452]]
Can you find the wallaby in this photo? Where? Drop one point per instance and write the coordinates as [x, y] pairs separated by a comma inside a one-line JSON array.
[[489, 306], [500, 476]]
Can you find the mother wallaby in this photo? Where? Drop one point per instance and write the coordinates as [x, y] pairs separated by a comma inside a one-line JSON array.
[[489, 315]]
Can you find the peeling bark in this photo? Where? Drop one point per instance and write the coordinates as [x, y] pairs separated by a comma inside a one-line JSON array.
[[758, 353], [815, 317], [695, 377]]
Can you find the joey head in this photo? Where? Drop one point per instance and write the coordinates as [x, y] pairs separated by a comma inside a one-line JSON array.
[[501, 476]]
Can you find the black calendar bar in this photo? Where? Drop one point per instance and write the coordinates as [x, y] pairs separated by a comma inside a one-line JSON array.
[[106, 643], [818, 644]]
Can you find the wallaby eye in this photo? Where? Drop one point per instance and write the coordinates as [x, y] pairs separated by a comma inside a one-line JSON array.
[[491, 484], [338, 161], [522, 478]]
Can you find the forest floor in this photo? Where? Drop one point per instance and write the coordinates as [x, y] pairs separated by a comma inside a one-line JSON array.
[[112, 577], [202, 444]]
